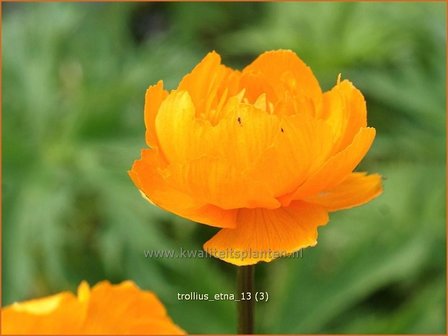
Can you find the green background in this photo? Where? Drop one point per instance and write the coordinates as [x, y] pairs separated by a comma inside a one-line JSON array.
[[74, 78]]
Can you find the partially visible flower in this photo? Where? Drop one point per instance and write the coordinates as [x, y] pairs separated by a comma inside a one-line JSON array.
[[121, 309], [261, 153]]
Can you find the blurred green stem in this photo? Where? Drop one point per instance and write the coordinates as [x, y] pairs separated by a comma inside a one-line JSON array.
[[245, 283]]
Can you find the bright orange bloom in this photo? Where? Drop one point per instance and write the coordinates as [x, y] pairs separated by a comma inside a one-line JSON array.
[[105, 309], [261, 153]]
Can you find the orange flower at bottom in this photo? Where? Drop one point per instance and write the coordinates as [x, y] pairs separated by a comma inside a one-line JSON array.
[[104, 309]]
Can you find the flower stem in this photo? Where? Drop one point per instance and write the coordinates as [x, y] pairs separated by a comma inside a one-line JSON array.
[[245, 281]]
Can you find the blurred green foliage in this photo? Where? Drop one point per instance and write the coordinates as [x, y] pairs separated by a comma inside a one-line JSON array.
[[74, 77]]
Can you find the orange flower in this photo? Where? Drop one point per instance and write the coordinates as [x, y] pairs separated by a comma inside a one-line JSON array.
[[261, 153], [106, 309]]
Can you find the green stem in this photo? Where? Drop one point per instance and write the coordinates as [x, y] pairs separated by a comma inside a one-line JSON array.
[[245, 280]]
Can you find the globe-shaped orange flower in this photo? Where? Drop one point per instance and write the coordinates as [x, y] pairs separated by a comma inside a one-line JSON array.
[[105, 309], [261, 153]]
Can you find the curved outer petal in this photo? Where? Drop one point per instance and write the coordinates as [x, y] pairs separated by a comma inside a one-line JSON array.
[[153, 99], [143, 311], [263, 235], [149, 175], [283, 71], [222, 185], [344, 109], [356, 189], [177, 129], [301, 145], [336, 169], [57, 314]]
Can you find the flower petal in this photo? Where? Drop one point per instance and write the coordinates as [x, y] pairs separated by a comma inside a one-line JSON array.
[[344, 109], [263, 235], [245, 133], [301, 145], [198, 82], [57, 314], [153, 99], [207, 83], [356, 189], [222, 185], [285, 72], [150, 175], [143, 311], [336, 169], [175, 123]]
